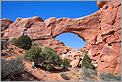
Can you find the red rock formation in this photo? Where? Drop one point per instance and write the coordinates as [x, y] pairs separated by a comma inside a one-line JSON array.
[[101, 31], [5, 23], [106, 52], [101, 3]]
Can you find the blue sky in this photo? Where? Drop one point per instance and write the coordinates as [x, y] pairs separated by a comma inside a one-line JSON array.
[[13, 10]]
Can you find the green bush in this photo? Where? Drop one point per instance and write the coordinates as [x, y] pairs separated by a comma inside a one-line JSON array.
[[51, 56], [109, 77], [14, 41], [34, 54], [64, 76], [86, 62], [45, 57], [24, 42], [11, 67], [65, 64], [3, 44]]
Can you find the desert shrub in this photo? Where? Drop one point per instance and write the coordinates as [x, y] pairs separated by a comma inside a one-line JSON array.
[[14, 41], [45, 57], [34, 54], [51, 58], [11, 67], [3, 44], [24, 42], [88, 70], [86, 62], [65, 63], [87, 74], [109, 77], [64, 76]]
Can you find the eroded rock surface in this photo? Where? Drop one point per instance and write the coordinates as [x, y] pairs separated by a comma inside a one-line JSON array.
[[5, 23], [101, 31]]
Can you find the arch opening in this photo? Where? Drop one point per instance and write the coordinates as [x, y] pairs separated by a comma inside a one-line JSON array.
[[71, 40]]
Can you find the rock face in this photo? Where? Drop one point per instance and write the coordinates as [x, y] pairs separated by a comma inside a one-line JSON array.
[[100, 4], [75, 56], [101, 31], [5, 24]]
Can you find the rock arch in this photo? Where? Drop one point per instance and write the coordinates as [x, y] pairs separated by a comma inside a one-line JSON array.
[[98, 29], [80, 26], [55, 26]]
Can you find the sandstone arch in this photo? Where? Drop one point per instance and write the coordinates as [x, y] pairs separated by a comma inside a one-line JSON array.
[[98, 29], [79, 26]]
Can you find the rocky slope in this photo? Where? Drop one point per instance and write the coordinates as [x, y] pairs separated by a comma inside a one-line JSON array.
[[101, 31]]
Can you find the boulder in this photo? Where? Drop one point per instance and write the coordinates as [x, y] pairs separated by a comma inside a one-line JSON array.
[[100, 4], [74, 63]]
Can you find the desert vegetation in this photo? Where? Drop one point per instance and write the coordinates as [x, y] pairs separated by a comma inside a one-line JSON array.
[[110, 77], [88, 70], [45, 58], [11, 67], [64, 76], [24, 42], [86, 62], [65, 63]]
